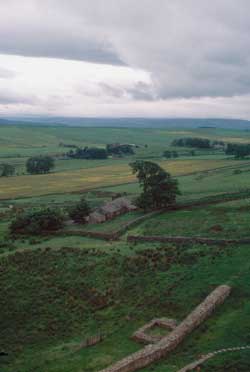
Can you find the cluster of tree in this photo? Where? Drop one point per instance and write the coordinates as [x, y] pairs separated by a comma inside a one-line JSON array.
[[40, 164], [159, 188], [239, 150], [88, 153], [38, 221], [119, 149], [201, 143], [80, 211], [46, 220], [170, 154], [6, 170]]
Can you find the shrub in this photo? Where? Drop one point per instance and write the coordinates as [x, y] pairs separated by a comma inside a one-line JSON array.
[[37, 221], [80, 211]]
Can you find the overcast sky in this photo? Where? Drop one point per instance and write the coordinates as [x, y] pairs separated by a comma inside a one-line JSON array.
[[158, 58]]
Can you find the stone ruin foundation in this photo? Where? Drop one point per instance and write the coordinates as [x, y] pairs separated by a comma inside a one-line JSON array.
[[154, 352], [142, 334]]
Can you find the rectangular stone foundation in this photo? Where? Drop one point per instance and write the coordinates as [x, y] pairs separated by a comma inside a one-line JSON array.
[[153, 353]]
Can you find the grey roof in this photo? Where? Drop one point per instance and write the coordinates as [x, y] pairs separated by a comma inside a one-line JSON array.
[[116, 205]]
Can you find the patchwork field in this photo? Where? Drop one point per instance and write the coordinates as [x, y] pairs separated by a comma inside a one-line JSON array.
[[86, 179]]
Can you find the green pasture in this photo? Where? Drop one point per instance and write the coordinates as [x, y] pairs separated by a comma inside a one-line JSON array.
[[229, 220], [59, 296]]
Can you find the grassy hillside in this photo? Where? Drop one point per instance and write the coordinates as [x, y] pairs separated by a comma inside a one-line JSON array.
[[96, 177], [58, 297]]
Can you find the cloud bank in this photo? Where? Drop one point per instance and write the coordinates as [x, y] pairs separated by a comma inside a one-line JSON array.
[[189, 50]]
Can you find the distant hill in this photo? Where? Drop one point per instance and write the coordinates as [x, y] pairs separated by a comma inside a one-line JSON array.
[[131, 122]]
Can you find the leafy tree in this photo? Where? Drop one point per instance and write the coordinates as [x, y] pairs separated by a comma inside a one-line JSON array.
[[80, 211], [240, 151], [7, 170], [159, 189], [167, 154], [40, 164], [38, 221]]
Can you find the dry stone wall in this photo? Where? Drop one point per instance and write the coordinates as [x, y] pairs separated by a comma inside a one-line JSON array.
[[142, 335], [186, 239], [152, 353], [197, 363]]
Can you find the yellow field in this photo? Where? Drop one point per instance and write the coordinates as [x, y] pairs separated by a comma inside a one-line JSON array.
[[84, 179]]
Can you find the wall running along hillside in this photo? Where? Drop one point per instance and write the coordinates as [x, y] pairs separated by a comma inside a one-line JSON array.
[[202, 360], [153, 353]]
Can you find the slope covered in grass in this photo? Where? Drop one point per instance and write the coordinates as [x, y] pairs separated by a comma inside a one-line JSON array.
[[52, 299], [229, 220]]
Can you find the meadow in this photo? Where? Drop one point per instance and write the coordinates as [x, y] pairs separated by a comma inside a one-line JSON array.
[[58, 290], [228, 220]]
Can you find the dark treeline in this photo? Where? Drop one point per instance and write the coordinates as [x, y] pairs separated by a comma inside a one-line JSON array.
[[101, 153], [239, 150], [120, 149], [88, 153], [201, 143]]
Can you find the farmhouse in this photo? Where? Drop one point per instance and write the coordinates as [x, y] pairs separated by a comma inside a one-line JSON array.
[[111, 209]]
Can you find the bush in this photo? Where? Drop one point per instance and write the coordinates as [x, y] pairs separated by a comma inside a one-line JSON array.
[[38, 221], [80, 211]]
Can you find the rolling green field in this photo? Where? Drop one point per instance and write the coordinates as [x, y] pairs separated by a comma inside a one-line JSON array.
[[92, 178], [58, 290], [229, 220]]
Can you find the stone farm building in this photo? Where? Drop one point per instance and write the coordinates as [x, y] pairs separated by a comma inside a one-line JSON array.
[[111, 209]]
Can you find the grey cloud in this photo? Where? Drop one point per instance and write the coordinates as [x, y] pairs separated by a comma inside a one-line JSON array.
[[34, 29], [12, 98], [138, 92], [6, 74], [191, 48], [143, 92]]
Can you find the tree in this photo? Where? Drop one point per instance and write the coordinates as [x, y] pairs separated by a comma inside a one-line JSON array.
[[38, 221], [159, 189], [240, 151], [175, 154], [7, 170], [167, 154], [80, 211], [40, 164]]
